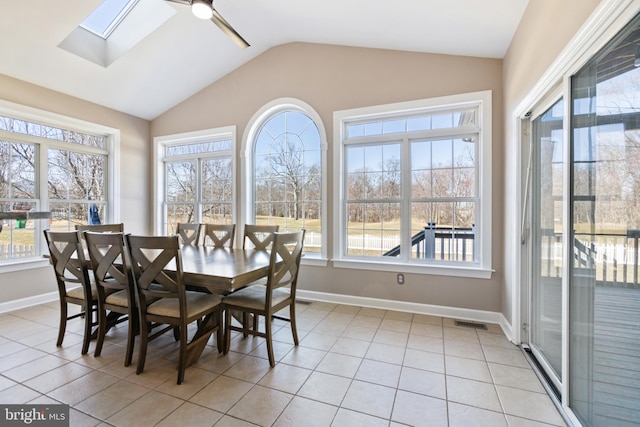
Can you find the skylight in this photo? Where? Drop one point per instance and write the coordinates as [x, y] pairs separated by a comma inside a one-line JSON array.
[[115, 27], [106, 17]]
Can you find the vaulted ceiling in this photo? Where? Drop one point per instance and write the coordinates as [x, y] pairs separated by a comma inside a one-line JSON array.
[[185, 54]]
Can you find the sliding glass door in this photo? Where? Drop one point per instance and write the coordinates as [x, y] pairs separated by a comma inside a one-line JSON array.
[[583, 250], [604, 288], [547, 147]]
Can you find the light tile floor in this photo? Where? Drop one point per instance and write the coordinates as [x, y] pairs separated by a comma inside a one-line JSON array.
[[354, 367]]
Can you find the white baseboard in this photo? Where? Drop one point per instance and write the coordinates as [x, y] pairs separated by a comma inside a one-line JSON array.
[[28, 302], [411, 307], [508, 330], [384, 304]]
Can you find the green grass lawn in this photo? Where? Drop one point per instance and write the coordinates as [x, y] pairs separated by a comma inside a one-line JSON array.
[[21, 236]]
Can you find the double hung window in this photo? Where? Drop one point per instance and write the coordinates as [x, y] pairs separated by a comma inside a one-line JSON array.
[[198, 179], [415, 185], [62, 168]]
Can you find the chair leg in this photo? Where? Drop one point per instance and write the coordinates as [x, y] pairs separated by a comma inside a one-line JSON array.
[[182, 358], [292, 319], [267, 325], [102, 331], [63, 323], [144, 340], [131, 338], [219, 332], [227, 331], [245, 323], [88, 320]]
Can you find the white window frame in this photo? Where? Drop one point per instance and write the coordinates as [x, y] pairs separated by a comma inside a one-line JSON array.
[[607, 19], [248, 141], [160, 144], [112, 179], [482, 100]]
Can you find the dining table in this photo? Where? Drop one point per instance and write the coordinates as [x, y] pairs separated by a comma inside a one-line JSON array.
[[222, 270]]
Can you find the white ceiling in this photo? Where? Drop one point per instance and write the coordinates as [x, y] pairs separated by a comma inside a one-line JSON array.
[[186, 54]]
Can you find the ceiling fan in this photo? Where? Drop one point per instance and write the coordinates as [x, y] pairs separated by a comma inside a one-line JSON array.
[[204, 9]]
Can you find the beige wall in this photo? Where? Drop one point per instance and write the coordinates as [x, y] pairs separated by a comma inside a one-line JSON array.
[[134, 171], [545, 29], [331, 78]]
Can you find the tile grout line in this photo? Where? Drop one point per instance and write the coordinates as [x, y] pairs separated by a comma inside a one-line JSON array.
[[249, 351]]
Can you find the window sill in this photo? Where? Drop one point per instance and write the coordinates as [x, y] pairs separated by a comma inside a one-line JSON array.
[[25, 264], [445, 270]]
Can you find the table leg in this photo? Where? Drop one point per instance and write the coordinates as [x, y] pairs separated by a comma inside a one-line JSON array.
[[199, 341], [113, 319]]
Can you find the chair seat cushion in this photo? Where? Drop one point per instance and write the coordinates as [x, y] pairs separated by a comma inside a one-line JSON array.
[[78, 292], [119, 298], [197, 302], [253, 297]]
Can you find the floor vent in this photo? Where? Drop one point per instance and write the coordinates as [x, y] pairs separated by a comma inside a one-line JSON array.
[[471, 325], [303, 302]]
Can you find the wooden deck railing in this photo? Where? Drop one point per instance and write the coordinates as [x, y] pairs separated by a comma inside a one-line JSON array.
[[441, 243], [613, 257]]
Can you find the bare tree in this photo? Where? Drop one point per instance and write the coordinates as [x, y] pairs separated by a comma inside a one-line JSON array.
[[288, 175], [217, 183], [181, 188]]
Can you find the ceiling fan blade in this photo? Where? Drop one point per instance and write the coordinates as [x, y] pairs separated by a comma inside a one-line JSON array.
[[228, 29], [187, 2]]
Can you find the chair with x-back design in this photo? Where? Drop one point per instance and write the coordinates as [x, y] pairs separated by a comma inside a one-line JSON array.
[[189, 233], [115, 286], [74, 284], [219, 235], [259, 237], [175, 306], [278, 293]]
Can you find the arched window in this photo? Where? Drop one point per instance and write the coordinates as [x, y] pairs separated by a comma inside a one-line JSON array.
[[285, 153]]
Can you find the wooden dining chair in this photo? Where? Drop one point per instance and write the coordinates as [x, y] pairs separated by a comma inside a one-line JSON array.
[[259, 237], [175, 306], [278, 293], [115, 286], [219, 235], [189, 233], [74, 285]]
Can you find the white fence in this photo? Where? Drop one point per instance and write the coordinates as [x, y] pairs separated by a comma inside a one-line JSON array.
[[14, 251], [313, 240], [372, 242], [359, 242]]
